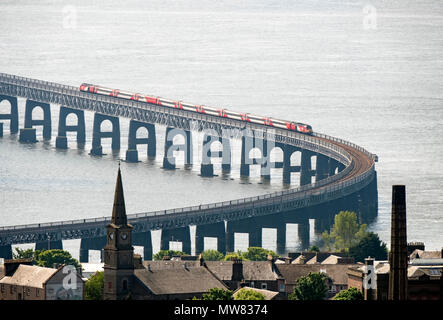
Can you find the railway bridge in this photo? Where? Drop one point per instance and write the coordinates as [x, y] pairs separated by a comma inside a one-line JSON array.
[[343, 177]]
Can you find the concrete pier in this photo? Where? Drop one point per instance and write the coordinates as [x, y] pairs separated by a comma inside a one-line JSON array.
[[180, 234], [87, 244], [169, 159], [46, 245], [216, 230], [98, 135], [61, 141], [133, 141], [13, 116]]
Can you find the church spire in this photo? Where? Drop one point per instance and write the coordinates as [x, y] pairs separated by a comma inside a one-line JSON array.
[[119, 210]]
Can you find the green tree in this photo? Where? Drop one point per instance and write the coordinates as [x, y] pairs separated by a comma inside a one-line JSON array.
[[248, 294], [328, 240], [23, 254], [218, 294], [94, 286], [311, 287], [235, 256], [212, 255], [349, 294], [258, 254], [47, 258], [314, 249], [345, 232], [168, 253], [369, 246]]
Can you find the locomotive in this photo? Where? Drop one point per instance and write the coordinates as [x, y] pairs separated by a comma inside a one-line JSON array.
[[219, 112]]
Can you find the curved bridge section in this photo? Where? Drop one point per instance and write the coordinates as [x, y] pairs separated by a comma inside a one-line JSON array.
[[353, 187]]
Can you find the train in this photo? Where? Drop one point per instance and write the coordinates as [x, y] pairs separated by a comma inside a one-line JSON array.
[[219, 112]]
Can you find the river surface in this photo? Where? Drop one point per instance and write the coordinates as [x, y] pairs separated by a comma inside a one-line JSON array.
[[370, 72]]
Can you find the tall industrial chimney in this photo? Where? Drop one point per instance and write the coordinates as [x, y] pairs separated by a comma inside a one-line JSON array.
[[398, 259]]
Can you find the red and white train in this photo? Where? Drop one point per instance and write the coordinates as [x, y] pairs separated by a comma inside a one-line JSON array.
[[282, 124]]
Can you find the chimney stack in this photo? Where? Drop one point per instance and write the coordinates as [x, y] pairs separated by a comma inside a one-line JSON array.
[[237, 270], [370, 280], [398, 259]]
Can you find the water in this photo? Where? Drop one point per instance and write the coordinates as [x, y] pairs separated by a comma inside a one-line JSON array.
[[375, 80]]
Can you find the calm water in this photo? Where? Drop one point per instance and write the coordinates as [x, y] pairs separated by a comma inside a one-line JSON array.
[[368, 72]]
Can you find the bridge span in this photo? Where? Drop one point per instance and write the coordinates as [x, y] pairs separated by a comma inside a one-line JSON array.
[[345, 176]]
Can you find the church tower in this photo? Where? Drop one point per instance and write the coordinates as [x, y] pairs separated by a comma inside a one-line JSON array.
[[119, 253]]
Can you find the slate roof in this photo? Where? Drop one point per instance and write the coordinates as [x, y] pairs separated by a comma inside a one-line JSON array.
[[252, 270], [178, 280], [421, 254], [337, 272], [30, 276]]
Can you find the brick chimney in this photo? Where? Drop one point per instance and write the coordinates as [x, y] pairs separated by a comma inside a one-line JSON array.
[[11, 265], [370, 281], [237, 270], [412, 246], [398, 259]]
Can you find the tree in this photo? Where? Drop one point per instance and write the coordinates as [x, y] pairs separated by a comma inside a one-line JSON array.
[[311, 287], [248, 294], [349, 294], [47, 258], [258, 254], [234, 256], [345, 232], [218, 294], [23, 254], [369, 246], [168, 253], [314, 249], [212, 255], [94, 286]]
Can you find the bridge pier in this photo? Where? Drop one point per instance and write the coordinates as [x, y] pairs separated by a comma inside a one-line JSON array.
[[169, 162], [44, 245], [248, 226], [6, 252], [249, 143], [98, 135], [216, 230], [87, 244], [28, 133], [288, 150], [133, 141], [321, 167], [13, 116], [179, 234], [305, 171], [61, 141], [333, 165], [143, 239], [303, 233], [207, 168]]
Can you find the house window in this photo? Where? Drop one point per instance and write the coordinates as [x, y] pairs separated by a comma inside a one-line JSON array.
[[3, 288], [11, 289], [252, 284], [28, 291], [282, 288], [37, 292], [264, 285], [125, 284], [109, 285]]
